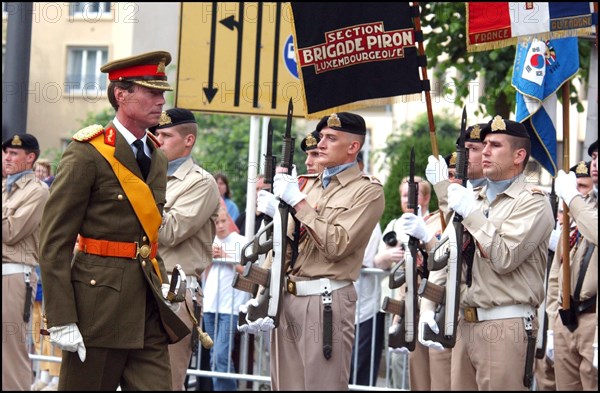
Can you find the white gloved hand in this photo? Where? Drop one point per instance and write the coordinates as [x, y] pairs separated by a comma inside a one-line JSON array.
[[400, 350], [286, 188], [595, 361], [68, 338], [415, 226], [165, 290], [246, 327], [566, 186], [461, 199], [554, 238], [428, 318], [550, 345], [437, 170], [267, 203]]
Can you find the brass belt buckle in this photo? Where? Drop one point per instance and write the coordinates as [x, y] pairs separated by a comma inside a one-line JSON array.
[[291, 287], [143, 251], [471, 314]]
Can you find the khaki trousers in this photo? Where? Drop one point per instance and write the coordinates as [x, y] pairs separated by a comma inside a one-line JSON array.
[[490, 355], [573, 354], [297, 361], [17, 372]]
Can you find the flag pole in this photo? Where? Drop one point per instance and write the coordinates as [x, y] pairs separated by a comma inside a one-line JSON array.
[[423, 68], [566, 227]]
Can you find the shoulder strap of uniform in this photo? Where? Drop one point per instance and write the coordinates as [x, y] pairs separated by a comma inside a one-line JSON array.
[[88, 133], [372, 179]]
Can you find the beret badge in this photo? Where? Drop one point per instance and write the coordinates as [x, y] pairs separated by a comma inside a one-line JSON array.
[[476, 132], [498, 124], [581, 169], [311, 142], [164, 119], [334, 121]]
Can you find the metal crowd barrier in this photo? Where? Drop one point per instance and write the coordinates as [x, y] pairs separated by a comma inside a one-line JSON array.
[[259, 375]]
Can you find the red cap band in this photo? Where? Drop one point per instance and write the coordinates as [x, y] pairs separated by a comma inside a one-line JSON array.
[[135, 71]]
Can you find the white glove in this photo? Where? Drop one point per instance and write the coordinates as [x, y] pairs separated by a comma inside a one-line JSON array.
[[595, 361], [246, 328], [461, 199], [550, 345], [165, 290], [391, 330], [415, 226], [267, 203], [437, 170], [286, 188], [554, 238], [428, 317], [68, 338], [265, 324], [566, 186]]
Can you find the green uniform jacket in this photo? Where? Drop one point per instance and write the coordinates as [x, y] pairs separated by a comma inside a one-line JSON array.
[[105, 296]]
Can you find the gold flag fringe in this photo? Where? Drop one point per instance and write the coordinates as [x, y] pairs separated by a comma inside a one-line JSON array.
[[585, 31]]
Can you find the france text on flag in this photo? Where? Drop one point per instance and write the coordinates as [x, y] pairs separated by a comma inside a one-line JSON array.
[[541, 68], [493, 25]]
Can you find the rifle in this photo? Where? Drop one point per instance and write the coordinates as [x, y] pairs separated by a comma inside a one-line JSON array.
[[447, 316], [404, 333], [273, 279], [260, 245], [542, 337]]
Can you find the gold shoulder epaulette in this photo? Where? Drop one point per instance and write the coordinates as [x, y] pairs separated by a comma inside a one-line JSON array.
[[372, 179], [153, 138], [88, 133]]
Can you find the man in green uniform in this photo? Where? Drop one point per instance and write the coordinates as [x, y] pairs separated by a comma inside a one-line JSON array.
[[105, 307]]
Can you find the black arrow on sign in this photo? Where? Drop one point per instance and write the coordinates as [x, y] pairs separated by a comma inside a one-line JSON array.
[[231, 23], [276, 56], [209, 91], [257, 55]]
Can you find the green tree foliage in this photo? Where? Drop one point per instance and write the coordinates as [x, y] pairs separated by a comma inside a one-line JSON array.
[[223, 145], [444, 27], [397, 157]]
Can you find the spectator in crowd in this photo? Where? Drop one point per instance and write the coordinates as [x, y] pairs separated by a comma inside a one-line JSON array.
[[225, 191]]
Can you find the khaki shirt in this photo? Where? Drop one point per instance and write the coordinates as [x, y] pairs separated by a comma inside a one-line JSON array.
[[585, 213], [339, 221], [512, 247], [21, 217], [188, 227]]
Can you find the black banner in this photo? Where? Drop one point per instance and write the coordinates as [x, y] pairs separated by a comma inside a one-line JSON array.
[[353, 55]]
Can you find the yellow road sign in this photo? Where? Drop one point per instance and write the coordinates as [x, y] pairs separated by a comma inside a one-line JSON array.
[[238, 59]]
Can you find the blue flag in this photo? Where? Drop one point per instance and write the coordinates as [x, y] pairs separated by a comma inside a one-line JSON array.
[[541, 68]]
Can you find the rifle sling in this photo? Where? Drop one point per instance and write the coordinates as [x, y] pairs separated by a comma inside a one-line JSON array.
[[584, 266]]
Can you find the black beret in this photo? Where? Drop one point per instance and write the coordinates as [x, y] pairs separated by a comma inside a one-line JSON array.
[[21, 141], [146, 69], [593, 148], [344, 121], [310, 142], [473, 133], [582, 169], [451, 160], [173, 117], [498, 125]]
